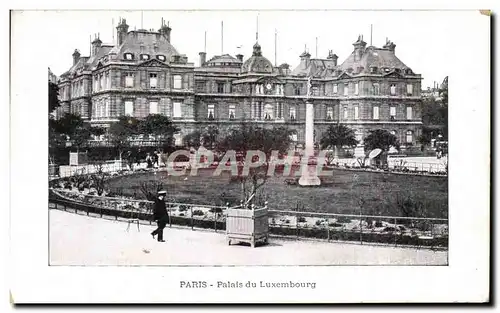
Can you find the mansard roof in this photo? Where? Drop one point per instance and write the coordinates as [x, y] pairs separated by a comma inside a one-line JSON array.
[[372, 57]]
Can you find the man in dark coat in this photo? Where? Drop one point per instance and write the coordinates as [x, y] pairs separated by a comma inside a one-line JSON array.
[[160, 215]]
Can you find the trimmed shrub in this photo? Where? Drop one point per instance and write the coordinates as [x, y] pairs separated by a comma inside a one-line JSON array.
[[198, 213]]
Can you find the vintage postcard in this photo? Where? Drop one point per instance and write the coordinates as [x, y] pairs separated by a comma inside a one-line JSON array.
[[263, 156]]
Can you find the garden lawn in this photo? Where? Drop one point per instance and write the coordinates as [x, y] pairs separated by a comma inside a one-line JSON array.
[[346, 192]]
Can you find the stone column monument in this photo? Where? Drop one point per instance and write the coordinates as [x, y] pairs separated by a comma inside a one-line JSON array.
[[309, 175]]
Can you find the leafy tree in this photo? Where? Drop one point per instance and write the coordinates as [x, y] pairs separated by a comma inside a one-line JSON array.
[[120, 133], [337, 136], [159, 126], [53, 97], [209, 137], [193, 139], [250, 137], [83, 133], [444, 108], [381, 139], [71, 127]]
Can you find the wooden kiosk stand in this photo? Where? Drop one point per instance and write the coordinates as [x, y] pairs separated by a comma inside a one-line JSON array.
[[247, 224]]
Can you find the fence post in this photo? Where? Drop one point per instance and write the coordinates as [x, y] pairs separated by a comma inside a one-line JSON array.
[[328, 229], [395, 233], [361, 230], [297, 221], [192, 218], [170, 215]]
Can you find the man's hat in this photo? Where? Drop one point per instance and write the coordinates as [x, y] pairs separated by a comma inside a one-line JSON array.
[[162, 192]]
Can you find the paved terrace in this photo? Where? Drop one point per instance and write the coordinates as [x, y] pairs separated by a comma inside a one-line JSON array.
[[81, 240]]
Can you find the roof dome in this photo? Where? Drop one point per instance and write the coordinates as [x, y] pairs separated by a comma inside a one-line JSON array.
[[257, 63], [224, 60]]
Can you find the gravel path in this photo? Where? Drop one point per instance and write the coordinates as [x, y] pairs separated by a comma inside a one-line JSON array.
[[81, 240]]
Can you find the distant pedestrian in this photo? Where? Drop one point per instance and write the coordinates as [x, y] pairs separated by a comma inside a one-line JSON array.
[[149, 161], [160, 215]]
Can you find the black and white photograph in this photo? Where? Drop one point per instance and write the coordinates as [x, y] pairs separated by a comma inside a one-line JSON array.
[[246, 140]]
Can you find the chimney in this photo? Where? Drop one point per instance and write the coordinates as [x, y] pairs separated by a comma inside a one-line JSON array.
[[389, 45], [333, 57], [359, 48], [121, 31], [239, 57], [165, 30], [306, 58], [76, 56], [203, 58], [96, 45]]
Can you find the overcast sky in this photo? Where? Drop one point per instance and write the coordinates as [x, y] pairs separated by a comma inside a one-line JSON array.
[[423, 38]]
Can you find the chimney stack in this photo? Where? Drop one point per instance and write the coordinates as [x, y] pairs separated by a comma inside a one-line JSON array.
[[203, 58], [389, 45], [121, 31], [240, 57], [165, 30], [333, 57], [359, 48], [96, 45]]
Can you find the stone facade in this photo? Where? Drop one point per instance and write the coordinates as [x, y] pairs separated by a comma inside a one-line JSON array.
[[144, 74]]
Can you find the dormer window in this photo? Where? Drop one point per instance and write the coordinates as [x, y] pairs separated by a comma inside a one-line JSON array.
[[144, 56], [397, 70], [373, 69], [128, 56], [161, 58], [408, 71]]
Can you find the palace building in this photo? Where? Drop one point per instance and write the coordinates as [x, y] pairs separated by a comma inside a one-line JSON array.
[[144, 74]]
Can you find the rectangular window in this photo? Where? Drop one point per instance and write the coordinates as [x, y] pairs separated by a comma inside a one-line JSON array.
[[409, 137], [108, 80], [220, 87], [177, 81], [101, 82], [200, 86], [129, 108], [106, 108], [177, 110], [335, 88], [297, 90], [346, 89], [409, 113], [232, 111], [211, 112], [268, 112], [375, 113], [329, 113], [258, 110], [279, 110], [129, 80], [376, 89], [153, 107], [356, 112], [409, 89], [393, 113], [393, 90], [153, 80], [346, 113], [293, 114], [356, 88]]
